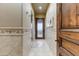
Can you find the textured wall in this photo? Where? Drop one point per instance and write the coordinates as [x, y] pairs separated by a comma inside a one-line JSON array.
[[10, 14], [10, 42], [10, 46], [50, 30], [27, 28], [10, 38]]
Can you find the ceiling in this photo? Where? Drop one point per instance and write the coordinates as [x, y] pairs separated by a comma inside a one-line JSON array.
[[40, 8]]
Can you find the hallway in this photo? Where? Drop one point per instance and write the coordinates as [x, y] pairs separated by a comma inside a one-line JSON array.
[[40, 48], [28, 29], [39, 39], [39, 29]]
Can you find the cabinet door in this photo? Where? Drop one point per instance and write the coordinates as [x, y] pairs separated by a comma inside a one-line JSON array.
[[77, 15], [65, 15], [68, 15], [72, 13]]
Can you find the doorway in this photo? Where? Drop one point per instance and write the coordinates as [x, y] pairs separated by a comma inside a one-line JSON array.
[[40, 28]]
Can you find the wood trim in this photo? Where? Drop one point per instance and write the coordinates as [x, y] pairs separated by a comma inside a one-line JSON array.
[[70, 39], [70, 30], [59, 25]]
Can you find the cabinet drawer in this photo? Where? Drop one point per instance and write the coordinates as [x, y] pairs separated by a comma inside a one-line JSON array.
[[73, 48]]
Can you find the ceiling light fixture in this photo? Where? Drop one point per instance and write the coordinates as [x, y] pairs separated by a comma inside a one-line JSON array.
[[40, 7]]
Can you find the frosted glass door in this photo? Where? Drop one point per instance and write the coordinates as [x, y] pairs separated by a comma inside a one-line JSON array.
[[40, 28]]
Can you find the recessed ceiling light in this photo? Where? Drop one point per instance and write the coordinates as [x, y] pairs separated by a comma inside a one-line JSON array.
[[40, 7]]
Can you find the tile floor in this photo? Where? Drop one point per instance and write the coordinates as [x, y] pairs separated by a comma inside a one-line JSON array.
[[40, 48]]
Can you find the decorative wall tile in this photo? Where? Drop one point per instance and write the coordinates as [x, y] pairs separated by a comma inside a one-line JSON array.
[[10, 41], [11, 31]]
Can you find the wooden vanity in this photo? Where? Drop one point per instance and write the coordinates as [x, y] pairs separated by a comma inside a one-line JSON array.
[[69, 43], [68, 29]]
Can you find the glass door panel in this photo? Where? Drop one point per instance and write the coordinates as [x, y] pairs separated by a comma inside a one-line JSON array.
[[39, 28]]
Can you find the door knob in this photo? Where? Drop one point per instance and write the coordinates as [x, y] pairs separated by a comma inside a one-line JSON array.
[[56, 40]]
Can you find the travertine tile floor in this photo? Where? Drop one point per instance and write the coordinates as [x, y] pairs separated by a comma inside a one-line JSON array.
[[40, 48]]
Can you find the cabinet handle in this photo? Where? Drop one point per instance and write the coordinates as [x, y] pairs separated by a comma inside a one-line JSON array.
[[56, 40]]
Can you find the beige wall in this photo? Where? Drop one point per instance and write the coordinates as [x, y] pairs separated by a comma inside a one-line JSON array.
[[50, 30], [10, 45], [13, 41], [10, 29], [10, 15]]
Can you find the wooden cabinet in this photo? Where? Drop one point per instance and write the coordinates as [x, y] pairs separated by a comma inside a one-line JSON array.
[[68, 29], [65, 15], [70, 16], [70, 44]]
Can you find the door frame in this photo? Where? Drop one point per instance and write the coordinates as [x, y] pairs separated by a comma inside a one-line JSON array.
[[36, 28], [59, 26]]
